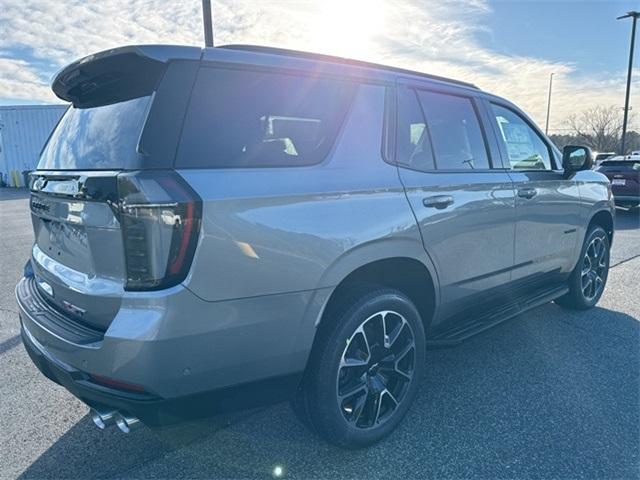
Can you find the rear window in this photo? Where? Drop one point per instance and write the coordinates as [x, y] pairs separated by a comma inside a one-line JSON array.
[[240, 118], [621, 165], [104, 137]]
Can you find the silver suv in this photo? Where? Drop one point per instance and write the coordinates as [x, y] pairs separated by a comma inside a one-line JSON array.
[[224, 228]]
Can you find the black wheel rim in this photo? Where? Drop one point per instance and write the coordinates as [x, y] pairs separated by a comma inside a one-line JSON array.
[[594, 268], [376, 369]]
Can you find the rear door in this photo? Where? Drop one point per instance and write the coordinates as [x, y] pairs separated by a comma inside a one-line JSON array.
[[547, 201], [462, 198]]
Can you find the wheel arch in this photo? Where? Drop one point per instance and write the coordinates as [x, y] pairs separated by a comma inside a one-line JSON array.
[[401, 264], [603, 218], [382, 261]]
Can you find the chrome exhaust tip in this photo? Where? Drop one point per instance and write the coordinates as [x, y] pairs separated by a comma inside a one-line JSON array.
[[102, 419], [126, 423]]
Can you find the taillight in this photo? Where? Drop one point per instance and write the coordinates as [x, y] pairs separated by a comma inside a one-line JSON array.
[[160, 220]]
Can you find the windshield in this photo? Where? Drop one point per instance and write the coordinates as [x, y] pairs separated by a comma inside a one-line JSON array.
[[99, 138]]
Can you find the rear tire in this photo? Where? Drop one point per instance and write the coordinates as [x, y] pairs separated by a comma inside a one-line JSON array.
[[589, 277], [365, 370]]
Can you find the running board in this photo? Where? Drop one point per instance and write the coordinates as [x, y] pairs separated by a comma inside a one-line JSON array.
[[463, 330]]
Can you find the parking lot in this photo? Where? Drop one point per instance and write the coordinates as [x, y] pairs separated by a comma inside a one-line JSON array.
[[550, 394]]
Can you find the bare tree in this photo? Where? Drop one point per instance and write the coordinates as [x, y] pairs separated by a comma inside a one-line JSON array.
[[598, 127]]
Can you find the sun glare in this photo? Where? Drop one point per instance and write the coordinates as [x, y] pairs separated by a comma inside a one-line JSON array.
[[348, 27]]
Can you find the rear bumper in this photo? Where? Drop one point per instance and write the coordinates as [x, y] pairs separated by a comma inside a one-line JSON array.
[[191, 357], [626, 199], [156, 411]]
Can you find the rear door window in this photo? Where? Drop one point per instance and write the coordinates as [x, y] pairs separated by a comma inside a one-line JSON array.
[[241, 118]]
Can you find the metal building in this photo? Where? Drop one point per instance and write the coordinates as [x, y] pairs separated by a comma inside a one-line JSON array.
[[23, 131]]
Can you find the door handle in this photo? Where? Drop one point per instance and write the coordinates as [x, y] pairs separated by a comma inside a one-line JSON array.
[[527, 193], [438, 201]]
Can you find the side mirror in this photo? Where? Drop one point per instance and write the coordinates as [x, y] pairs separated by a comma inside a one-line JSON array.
[[576, 158]]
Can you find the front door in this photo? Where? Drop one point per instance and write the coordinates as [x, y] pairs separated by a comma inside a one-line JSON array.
[[465, 209], [547, 203]]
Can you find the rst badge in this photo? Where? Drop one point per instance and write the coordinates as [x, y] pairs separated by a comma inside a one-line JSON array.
[[70, 307]]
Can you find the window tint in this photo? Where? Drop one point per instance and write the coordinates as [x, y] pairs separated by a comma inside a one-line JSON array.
[[455, 132], [525, 148], [96, 138], [243, 118], [413, 147]]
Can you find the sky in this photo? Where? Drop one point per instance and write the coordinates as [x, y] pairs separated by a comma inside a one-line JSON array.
[[507, 47]]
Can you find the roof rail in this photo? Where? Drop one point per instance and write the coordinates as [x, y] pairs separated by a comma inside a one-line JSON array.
[[341, 60]]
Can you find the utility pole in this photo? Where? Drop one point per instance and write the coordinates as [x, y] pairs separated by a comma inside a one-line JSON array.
[[635, 16], [546, 128], [208, 23]]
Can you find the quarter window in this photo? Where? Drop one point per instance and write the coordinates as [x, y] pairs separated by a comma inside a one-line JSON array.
[[525, 149], [458, 142], [240, 118]]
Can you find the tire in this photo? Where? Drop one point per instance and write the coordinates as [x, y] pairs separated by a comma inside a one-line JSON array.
[[377, 378], [589, 277]]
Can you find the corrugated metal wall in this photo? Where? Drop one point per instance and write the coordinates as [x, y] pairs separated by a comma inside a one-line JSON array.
[[23, 131]]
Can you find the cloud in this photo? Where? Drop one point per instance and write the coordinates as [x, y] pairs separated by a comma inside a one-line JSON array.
[[19, 80], [436, 36]]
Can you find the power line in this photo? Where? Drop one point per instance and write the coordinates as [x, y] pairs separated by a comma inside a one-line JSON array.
[[575, 91]]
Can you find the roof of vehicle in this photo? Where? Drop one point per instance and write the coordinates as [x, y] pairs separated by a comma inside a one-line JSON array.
[[345, 62], [79, 77]]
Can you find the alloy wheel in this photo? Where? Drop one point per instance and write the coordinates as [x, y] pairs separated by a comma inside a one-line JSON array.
[[376, 369], [594, 267]]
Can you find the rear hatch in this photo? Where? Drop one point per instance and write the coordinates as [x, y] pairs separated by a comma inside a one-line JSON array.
[[108, 213], [624, 176]]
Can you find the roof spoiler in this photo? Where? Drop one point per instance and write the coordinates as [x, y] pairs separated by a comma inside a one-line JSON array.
[[118, 74]]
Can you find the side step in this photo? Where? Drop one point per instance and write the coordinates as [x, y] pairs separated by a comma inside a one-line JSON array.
[[462, 330]]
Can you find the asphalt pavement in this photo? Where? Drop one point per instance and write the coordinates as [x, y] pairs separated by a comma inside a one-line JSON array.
[[550, 394]]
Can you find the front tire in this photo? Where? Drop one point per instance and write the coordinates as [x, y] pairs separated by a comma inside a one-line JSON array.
[[588, 279], [365, 371]]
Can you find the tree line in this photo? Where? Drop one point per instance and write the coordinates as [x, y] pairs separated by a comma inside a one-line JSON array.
[[599, 128]]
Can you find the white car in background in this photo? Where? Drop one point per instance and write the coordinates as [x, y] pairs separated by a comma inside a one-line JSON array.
[[600, 156]]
